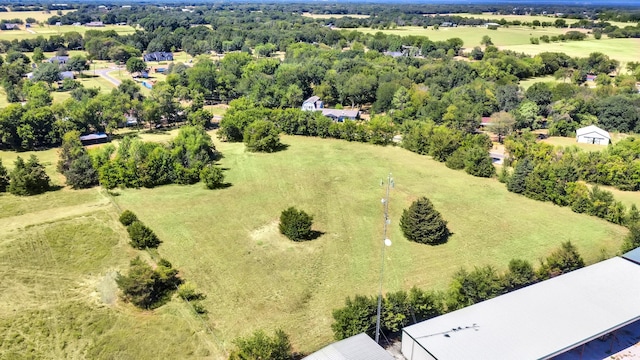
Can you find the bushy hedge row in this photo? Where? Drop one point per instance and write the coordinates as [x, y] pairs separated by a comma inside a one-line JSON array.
[[141, 236], [402, 308], [149, 164]]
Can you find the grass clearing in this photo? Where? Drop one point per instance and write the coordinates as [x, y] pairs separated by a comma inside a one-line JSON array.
[[546, 79], [472, 35], [528, 18], [40, 16], [227, 243], [623, 50]]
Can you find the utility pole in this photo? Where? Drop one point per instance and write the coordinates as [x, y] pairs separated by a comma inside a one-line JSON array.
[[385, 242]]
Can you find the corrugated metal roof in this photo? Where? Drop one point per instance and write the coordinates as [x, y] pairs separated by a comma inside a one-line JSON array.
[[358, 347], [93, 137], [539, 321]]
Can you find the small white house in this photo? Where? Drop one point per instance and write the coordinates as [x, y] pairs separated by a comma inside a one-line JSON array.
[[312, 104], [593, 135]]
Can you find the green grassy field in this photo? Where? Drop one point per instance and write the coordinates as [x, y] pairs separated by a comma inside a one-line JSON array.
[[546, 79], [529, 18], [517, 38], [227, 242], [40, 16], [472, 35], [623, 50]]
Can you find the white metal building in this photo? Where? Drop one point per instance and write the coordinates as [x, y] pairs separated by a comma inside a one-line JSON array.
[[538, 322], [593, 135], [357, 347]]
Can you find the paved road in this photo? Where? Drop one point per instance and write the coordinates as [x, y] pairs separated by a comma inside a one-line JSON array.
[[105, 74]]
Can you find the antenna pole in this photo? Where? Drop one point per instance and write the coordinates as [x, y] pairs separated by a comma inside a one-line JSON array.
[[385, 204]]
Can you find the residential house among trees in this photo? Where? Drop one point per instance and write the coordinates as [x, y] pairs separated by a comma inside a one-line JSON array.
[[158, 56], [10, 26], [339, 115], [593, 135], [59, 59]]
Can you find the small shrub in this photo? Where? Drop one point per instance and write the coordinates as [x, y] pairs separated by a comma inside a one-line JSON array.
[[212, 177], [422, 223], [147, 288], [128, 217], [187, 291], [295, 224], [141, 236], [262, 136]]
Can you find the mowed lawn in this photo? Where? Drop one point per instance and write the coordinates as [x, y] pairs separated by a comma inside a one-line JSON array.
[[227, 241], [623, 50]]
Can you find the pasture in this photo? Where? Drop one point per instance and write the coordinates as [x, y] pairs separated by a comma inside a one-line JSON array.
[[64, 248], [40, 16], [527, 18], [472, 35], [623, 50]]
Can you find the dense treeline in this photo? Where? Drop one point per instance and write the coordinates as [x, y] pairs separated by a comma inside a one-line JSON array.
[[148, 164], [401, 308]]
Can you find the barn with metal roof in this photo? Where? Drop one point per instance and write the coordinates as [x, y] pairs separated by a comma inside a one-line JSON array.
[[541, 321]]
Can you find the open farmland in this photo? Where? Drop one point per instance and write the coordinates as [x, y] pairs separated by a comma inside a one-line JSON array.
[[472, 35], [40, 16], [623, 50], [528, 18], [48, 30]]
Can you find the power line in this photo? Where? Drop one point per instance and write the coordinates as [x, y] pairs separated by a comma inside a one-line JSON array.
[[385, 242]]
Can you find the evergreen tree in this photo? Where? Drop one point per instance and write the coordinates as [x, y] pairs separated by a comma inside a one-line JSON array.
[[516, 182], [632, 240], [141, 236], [128, 217], [75, 163], [4, 178], [422, 223], [28, 178], [295, 224], [561, 261]]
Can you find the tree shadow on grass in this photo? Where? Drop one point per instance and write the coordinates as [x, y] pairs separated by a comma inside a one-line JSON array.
[[315, 234]]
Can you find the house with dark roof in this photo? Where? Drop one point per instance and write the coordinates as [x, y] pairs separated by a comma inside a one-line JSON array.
[[158, 56], [91, 139]]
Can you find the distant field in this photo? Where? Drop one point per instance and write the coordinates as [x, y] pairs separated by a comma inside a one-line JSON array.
[[337, 16], [471, 35], [47, 30], [623, 50], [529, 18], [40, 16]]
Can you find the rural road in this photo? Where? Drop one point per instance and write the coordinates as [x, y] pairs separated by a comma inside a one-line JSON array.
[[105, 74]]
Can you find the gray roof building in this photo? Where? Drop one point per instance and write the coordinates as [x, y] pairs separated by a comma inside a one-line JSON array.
[[357, 347], [540, 321]]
